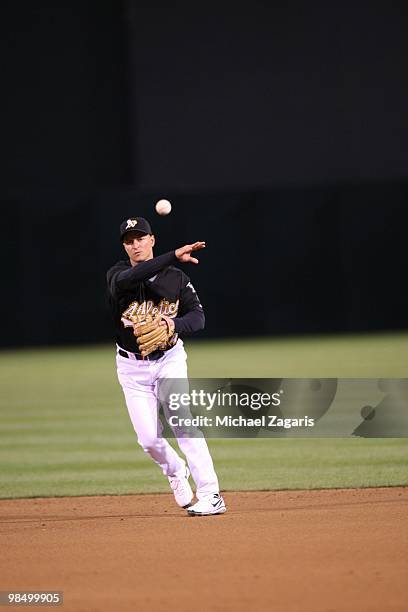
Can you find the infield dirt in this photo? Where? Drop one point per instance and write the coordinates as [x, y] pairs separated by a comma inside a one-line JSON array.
[[327, 550]]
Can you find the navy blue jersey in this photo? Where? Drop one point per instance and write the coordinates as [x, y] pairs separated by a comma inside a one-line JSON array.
[[151, 287]]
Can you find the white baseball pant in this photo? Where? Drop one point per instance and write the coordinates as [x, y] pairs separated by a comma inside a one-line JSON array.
[[139, 383]]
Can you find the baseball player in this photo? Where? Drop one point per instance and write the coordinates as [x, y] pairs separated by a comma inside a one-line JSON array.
[[153, 303]]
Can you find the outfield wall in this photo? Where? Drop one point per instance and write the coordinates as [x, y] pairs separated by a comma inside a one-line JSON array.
[[279, 135]]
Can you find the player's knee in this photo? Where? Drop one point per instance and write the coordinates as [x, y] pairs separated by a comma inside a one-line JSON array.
[[149, 443]]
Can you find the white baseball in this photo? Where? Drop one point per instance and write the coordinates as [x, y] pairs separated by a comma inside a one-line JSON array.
[[163, 207]]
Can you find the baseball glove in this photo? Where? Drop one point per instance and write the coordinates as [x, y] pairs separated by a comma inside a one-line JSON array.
[[151, 335]]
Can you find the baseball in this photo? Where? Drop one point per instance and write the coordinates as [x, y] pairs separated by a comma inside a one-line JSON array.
[[163, 207]]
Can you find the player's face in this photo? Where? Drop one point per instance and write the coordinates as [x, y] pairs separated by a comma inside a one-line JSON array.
[[139, 247]]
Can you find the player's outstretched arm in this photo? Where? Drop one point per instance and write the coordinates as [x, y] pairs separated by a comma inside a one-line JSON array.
[[184, 253], [124, 278]]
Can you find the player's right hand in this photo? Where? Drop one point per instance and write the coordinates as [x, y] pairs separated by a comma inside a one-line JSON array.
[[184, 253]]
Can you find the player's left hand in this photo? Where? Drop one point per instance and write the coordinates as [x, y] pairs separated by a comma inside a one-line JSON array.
[[153, 333], [169, 322]]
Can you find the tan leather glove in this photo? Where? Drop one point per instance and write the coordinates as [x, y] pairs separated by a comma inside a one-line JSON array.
[[151, 334]]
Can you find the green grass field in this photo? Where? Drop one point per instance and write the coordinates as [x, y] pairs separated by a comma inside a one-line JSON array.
[[64, 428]]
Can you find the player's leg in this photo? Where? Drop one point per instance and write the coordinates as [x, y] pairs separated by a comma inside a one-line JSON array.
[[135, 379], [195, 449]]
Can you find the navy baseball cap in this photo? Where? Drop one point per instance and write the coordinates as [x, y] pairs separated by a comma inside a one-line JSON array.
[[135, 224]]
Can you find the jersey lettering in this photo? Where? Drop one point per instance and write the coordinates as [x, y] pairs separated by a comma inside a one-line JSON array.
[[149, 307]]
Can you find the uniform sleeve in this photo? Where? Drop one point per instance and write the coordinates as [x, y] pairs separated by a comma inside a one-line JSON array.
[[126, 279], [191, 317]]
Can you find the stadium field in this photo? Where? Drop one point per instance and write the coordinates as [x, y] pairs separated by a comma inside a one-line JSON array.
[[65, 430]]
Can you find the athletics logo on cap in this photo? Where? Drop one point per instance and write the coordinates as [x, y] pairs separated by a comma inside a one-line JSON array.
[[135, 224], [131, 223]]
